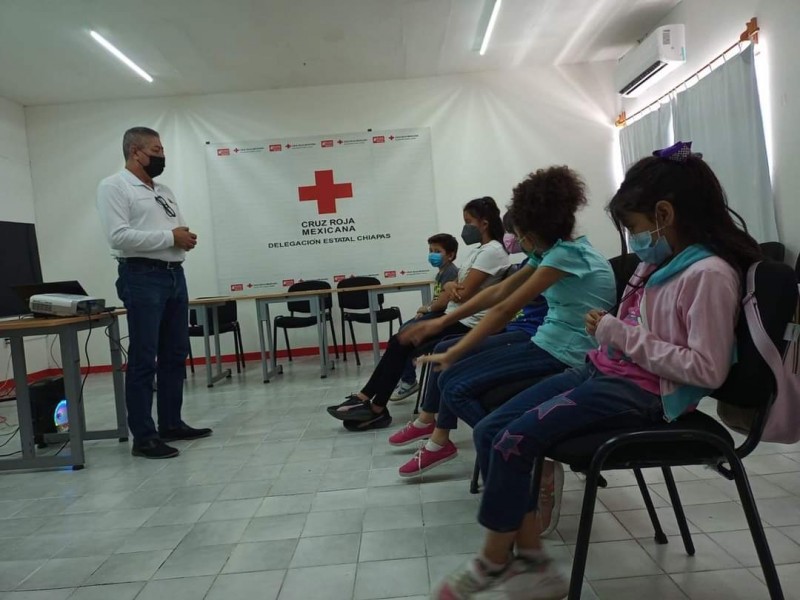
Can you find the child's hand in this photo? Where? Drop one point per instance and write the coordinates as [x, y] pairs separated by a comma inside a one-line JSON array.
[[419, 332], [440, 362], [593, 320]]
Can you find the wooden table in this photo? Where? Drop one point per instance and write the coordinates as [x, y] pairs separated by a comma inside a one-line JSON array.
[[316, 299], [67, 331]]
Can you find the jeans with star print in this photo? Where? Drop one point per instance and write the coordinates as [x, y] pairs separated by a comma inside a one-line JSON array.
[[573, 403]]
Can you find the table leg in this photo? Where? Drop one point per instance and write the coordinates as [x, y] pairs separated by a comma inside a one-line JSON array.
[[71, 365], [427, 297], [24, 412], [322, 336], [373, 322], [202, 320], [261, 343], [118, 379]]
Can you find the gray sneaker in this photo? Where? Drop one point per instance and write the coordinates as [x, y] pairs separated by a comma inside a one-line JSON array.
[[404, 390], [471, 579], [527, 579]]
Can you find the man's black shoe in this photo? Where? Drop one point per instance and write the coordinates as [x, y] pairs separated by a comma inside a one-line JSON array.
[[154, 449], [184, 432]]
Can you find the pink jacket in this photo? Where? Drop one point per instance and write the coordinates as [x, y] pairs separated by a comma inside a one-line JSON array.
[[687, 332]]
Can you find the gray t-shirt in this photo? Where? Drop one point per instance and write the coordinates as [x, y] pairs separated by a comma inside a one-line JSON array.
[[449, 273]]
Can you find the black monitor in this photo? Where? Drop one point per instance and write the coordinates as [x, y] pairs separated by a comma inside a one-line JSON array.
[[19, 265]]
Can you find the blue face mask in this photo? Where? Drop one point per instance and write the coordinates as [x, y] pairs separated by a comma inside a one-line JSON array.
[[435, 259], [648, 252]]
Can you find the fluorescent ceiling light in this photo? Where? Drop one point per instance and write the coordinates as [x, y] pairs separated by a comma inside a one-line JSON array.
[[487, 35], [118, 53]]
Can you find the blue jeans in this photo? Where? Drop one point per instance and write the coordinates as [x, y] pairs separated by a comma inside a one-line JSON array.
[[410, 371], [432, 396], [575, 402], [158, 327], [462, 385]]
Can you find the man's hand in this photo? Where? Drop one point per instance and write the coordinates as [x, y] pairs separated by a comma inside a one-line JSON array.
[[184, 239], [593, 320]]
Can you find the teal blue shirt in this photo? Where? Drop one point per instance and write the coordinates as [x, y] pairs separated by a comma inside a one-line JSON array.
[[589, 284]]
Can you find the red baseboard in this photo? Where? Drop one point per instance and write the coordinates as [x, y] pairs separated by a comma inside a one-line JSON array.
[[198, 361]]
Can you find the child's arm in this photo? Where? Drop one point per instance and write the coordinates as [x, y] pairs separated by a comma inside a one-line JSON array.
[[708, 305]]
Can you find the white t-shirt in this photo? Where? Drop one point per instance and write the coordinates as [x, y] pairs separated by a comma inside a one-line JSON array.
[[135, 224], [490, 258]]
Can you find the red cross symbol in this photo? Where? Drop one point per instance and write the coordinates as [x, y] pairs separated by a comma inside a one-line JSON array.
[[325, 192]]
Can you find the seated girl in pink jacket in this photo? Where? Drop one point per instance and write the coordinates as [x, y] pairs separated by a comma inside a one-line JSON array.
[[671, 342]]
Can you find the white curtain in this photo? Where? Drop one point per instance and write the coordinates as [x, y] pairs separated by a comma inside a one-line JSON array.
[[651, 132], [721, 115]]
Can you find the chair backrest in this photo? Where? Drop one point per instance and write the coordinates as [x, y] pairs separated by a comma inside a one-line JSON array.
[[304, 306], [227, 313], [774, 250], [357, 300], [750, 382], [623, 266]]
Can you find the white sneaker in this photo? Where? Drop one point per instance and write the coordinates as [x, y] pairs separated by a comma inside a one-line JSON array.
[[532, 580], [403, 391], [550, 497], [468, 582]]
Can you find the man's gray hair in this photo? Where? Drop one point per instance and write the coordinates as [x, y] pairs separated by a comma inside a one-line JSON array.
[[135, 136]]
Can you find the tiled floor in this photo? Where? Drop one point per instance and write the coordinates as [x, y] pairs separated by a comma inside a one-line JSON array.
[[283, 503]]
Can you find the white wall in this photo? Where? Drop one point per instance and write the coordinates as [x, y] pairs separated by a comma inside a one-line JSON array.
[[488, 131], [16, 204], [712, 26]]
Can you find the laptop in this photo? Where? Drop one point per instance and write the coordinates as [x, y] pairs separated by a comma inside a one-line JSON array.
[[24, 292]]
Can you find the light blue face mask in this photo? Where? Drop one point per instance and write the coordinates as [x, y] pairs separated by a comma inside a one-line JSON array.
[[435, 259], [648, 252]]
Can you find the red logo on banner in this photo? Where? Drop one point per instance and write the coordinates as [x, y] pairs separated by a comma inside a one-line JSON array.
[[288, 282], [326, 143], [378, 139], [390, 274], [237, 287], [223, 151], [325, 192], [275, 147], [338, 278]]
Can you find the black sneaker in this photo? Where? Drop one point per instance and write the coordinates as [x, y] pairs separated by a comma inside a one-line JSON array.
[[154, 449], [378, 422], [351, 400], [184, 432]]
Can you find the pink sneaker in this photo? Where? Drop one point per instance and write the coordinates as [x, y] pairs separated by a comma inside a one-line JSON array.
[[425, 459], [410, 434]]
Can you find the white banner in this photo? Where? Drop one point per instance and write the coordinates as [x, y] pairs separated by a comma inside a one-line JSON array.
[[324, 207]]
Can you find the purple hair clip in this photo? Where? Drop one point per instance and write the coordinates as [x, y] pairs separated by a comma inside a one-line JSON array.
[[679, 152]]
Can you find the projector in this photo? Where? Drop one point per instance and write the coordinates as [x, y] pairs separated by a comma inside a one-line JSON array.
[[66, 305]]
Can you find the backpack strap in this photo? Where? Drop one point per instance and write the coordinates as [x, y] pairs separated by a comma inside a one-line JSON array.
[[760, 337]]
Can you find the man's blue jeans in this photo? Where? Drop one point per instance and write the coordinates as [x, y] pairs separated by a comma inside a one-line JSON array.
[[158, 328]]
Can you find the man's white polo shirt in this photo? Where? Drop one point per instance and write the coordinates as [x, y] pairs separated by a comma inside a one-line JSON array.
[[135, 222]]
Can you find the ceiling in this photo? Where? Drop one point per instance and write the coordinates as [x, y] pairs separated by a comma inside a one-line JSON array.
[[208, 46]]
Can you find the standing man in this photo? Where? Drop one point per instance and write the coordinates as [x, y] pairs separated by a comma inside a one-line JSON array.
[[149, 239]]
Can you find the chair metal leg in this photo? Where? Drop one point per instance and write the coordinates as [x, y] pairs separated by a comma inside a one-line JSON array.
[[333, 335], [660, 537], [288, 347], [756, 528], [675, 498], [474, 484], [344, 340], [391, 328], [423, 375], [355, 347], [236, 351], [584, 533], [191, 358], [241, 345]]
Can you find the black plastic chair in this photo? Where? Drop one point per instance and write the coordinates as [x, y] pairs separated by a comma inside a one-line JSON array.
[[228, 323], [352, 305], [694, 439], [303, 307], [774, 251]]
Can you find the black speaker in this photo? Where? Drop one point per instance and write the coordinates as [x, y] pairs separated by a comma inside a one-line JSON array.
[[45, 395]]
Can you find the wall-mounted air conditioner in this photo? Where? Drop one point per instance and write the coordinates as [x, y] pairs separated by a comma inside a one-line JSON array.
[[661, 52]]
